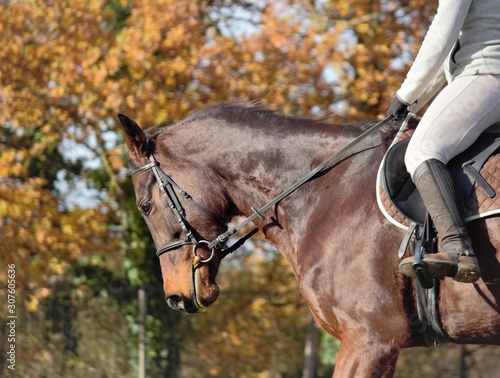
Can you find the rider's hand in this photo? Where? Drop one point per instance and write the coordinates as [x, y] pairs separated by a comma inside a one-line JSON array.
[[398, 108]]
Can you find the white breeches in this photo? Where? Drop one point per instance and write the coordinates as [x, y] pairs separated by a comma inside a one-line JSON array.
[[454, 120]]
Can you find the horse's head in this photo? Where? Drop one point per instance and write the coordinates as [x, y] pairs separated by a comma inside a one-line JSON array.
[[179, 224]]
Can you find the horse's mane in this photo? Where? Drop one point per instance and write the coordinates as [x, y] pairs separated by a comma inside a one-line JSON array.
[[239, 106], [233, 105], [242, 110]]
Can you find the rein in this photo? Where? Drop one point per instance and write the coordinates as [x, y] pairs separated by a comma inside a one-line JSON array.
[[167, 186], [257, 213]]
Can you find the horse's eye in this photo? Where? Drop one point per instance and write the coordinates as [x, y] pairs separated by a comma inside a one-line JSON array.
[[146, 207]]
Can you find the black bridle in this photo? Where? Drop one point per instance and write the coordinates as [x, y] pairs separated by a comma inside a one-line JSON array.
[[168, 187]]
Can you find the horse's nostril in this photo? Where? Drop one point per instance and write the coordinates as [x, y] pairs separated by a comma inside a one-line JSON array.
[[175, 302]]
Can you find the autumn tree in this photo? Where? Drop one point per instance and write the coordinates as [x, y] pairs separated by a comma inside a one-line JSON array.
[[67, 213]]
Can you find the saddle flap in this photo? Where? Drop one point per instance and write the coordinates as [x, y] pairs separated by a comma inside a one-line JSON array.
[[398, 185]]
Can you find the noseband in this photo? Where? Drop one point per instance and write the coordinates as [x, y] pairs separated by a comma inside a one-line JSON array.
[[168, 188]]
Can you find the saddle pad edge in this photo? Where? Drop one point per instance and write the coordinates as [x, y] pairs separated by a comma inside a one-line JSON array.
[[379, 189]]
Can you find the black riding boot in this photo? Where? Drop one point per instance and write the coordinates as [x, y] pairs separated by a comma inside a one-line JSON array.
[[456, 258]]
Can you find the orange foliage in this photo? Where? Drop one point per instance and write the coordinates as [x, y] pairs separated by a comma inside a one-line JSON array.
[[67, 68]]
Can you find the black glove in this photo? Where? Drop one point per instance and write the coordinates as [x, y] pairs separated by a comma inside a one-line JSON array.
[[398, 108]]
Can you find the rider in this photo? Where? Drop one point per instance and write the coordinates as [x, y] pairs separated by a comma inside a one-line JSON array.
[[462, 47]]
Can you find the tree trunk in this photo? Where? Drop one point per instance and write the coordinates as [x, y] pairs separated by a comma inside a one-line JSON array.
[[310, 350]]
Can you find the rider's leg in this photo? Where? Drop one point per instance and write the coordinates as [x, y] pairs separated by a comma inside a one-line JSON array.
[[456, 258], [458, 115]]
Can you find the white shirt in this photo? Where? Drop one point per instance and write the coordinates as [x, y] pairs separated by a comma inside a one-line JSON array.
[[477, 23]]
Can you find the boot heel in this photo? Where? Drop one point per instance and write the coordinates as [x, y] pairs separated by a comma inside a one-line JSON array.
[[467, 269]]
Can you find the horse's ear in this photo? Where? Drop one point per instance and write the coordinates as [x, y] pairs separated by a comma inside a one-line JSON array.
[[135, 138]]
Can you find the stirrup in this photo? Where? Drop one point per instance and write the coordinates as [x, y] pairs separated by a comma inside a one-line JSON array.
[[415, 266]]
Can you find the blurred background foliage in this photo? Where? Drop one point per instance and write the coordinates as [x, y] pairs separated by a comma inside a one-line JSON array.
[[67, 209]]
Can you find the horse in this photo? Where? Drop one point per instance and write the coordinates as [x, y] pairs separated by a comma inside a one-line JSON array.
[[193, 177]]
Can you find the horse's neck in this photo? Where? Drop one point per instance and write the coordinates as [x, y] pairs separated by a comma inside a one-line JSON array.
[[263, 164], [260, 166], [254, 164]]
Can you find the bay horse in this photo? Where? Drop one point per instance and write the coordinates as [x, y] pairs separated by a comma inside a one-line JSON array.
[[192, 178]]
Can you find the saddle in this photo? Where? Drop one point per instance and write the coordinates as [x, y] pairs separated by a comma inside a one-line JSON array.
[[476, 173]]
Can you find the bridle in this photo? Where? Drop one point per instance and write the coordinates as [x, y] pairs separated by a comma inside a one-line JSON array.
[[168, 187]]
